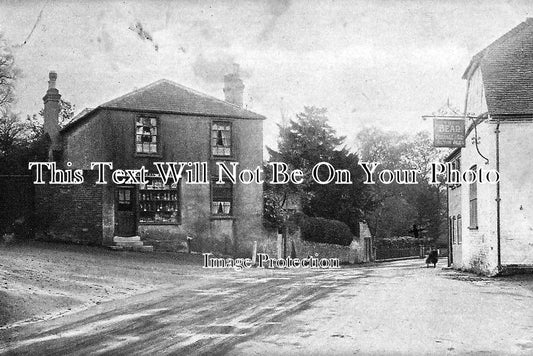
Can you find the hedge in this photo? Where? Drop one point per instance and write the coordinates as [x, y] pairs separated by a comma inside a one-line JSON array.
[[316, 229]]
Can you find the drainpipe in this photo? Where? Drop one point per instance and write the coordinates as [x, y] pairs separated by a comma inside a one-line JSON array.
[[498, 200], [450, 245]]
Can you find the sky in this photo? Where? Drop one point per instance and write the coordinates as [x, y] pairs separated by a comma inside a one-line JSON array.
[[370, 63]]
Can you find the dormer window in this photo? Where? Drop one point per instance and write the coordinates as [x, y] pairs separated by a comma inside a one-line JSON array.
[[146, 135], [221, 139]]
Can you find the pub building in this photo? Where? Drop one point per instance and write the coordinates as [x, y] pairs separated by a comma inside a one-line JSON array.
[[491, 225]]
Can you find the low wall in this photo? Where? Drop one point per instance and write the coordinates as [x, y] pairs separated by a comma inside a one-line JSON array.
[[346, 254]]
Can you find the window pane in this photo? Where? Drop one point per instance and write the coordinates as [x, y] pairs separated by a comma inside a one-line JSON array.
[[227, 206]]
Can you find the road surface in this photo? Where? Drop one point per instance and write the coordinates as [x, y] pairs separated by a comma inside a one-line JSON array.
[[391, 308]]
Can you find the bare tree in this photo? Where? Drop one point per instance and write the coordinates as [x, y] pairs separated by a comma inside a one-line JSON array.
[[12, 130], [8, 75]]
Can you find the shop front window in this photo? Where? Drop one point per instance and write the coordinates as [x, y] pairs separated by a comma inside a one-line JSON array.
[[158, 202]]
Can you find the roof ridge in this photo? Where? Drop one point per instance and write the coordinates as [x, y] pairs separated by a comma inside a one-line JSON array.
[[135, 91], [194, 91], [511, 33], [478, 57], [181, 86]]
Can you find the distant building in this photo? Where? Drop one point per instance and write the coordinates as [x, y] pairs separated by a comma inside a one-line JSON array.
[[491, 225], [161, 122]]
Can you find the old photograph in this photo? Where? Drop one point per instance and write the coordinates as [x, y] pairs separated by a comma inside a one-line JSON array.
[[270, 177]]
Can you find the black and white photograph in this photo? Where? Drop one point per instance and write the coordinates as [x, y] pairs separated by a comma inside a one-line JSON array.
[[270, 177]]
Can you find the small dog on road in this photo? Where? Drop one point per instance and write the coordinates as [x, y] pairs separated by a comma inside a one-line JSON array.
[[433, 257]]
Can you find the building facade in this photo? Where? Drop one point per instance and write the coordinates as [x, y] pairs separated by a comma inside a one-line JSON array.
[[162, 122], [491, 224]]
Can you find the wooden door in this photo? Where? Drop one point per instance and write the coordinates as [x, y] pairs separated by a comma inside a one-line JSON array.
[[126, 212]]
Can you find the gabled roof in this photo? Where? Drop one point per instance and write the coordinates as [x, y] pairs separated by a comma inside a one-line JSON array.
[[507, 71], [165, 96]]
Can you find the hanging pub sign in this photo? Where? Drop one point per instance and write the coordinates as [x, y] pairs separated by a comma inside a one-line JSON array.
[[448, 132]]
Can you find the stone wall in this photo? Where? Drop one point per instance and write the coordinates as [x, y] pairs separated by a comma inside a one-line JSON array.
[[271, 244], [346, 254]]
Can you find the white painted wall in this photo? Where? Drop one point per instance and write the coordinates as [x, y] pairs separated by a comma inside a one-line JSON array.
[[516, 165], [479, 248], [476, 103]]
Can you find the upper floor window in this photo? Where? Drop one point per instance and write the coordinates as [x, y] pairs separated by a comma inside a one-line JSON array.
[[221, 138], [146, 135], [473, 202]]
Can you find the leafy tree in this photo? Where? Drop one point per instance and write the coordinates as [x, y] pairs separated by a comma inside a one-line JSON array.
[[302, 144], [398, 207]]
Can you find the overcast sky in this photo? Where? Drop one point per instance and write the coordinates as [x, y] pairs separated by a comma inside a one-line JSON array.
[[380, 63]]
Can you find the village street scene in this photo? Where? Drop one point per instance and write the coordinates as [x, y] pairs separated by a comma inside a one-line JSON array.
[[272, 177]]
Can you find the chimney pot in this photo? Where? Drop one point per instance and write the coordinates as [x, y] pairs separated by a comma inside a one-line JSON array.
[[51, 115], [234, 87], [52, 82]]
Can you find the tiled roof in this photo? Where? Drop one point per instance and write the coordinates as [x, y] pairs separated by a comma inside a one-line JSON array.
[[169, 97], [507, 71]]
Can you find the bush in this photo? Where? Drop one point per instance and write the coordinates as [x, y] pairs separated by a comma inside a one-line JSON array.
[[323, 230], [397, 242]]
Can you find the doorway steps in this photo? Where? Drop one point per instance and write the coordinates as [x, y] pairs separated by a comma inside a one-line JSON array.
[[131, 243]]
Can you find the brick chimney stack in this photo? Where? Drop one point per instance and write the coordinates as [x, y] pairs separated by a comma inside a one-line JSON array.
[[51, 117], [233, 87]]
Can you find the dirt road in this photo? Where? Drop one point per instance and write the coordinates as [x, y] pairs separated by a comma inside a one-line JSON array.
[[392, 308]]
